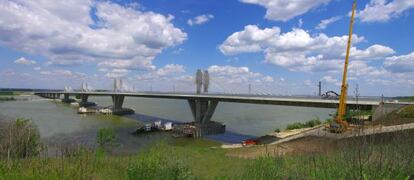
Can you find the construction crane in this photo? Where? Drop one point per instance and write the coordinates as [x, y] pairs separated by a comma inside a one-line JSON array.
[[340, 124]]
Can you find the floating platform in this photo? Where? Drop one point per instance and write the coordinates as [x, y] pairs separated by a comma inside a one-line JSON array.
[[197, 130], [84, 110], [68, 101], [153, 127], [123, 111], [86, 104]]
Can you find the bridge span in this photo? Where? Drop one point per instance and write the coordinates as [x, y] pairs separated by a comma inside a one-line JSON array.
[[203, 105]]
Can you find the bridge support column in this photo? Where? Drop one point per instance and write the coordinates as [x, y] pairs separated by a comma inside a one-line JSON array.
[[84, 101], [118, 101], [65, 97], [202, 109], [84, 98]]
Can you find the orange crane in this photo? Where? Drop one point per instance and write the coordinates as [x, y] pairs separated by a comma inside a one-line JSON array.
[[340, 123]]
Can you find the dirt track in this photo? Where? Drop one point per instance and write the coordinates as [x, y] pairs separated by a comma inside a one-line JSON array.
[[316, 142]]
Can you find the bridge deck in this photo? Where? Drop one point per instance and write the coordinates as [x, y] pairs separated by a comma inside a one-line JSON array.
[[289, 101]]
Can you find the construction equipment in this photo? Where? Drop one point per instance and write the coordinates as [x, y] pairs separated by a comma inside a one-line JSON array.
[[340, 124]]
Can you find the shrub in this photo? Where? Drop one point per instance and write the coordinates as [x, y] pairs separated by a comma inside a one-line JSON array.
[[19, 139], [313, 123], [7, 99], [106, 138], [277, 130], [298, 125], [407, 112], [159, 162]]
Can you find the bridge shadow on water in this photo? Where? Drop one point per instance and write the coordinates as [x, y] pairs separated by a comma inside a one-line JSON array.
[[227, 137]]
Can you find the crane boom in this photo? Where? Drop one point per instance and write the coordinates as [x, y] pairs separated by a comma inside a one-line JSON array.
[[342, 100]]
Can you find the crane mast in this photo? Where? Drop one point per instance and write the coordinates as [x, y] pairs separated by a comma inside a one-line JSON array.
[[340, 119]]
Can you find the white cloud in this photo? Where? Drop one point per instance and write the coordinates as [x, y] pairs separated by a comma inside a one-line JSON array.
[[308, 83], [237, 79], [283, 10], [251, 39], [384, 10], [201, 19], [169, 71], [324, 23], [332, 80], [24, 61], [117, 73], [298, 50], [65, 33], [62, 73], [231, 74], [400, 64], [178, 51], [268, 79], [141, 64], [373, 52]]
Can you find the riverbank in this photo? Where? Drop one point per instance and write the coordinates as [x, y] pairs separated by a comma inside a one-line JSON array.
[[381, 157]]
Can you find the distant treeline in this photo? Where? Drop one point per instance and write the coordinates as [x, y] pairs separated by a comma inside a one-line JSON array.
[[35, 90], [405, 98]]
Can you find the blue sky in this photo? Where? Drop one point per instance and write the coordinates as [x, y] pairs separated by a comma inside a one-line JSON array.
[[278, 46]]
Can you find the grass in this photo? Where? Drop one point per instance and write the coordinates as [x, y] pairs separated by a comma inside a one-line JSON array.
[[9, 93], [360, 159], [406, 98], [308, 124], [401, 116], [388, 156], [7, 98], [162, 161], [407, 112]]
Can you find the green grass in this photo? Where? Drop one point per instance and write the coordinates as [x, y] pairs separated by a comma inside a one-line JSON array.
[[9, 93], [388, 156], [361, 159], [193, 159], [406, 98], [7, 98], [308, 124], [407, 112]]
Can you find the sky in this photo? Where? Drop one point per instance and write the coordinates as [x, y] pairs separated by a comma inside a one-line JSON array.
[[277, 47]]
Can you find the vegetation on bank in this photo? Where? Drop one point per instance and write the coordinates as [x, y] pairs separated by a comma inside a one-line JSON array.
[[405, 98], [7, 98], [307, 124], [386, 157], [19, 139], [407, 112], [8, 95]]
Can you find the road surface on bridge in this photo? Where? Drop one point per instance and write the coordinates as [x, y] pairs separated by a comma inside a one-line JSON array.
[[253, 99]]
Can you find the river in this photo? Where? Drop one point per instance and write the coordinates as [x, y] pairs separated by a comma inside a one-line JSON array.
[[59, 123]]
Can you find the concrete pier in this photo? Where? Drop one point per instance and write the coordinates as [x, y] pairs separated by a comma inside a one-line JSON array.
[[84, 101], [67, 99], [118, 101], [202, 110]]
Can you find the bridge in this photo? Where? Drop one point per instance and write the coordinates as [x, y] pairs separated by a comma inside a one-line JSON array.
[[203, 105]]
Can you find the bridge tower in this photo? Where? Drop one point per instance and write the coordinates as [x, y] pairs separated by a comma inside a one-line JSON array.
[[199, 80]]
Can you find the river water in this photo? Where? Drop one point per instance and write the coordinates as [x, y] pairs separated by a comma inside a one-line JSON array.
[[59, 123]]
